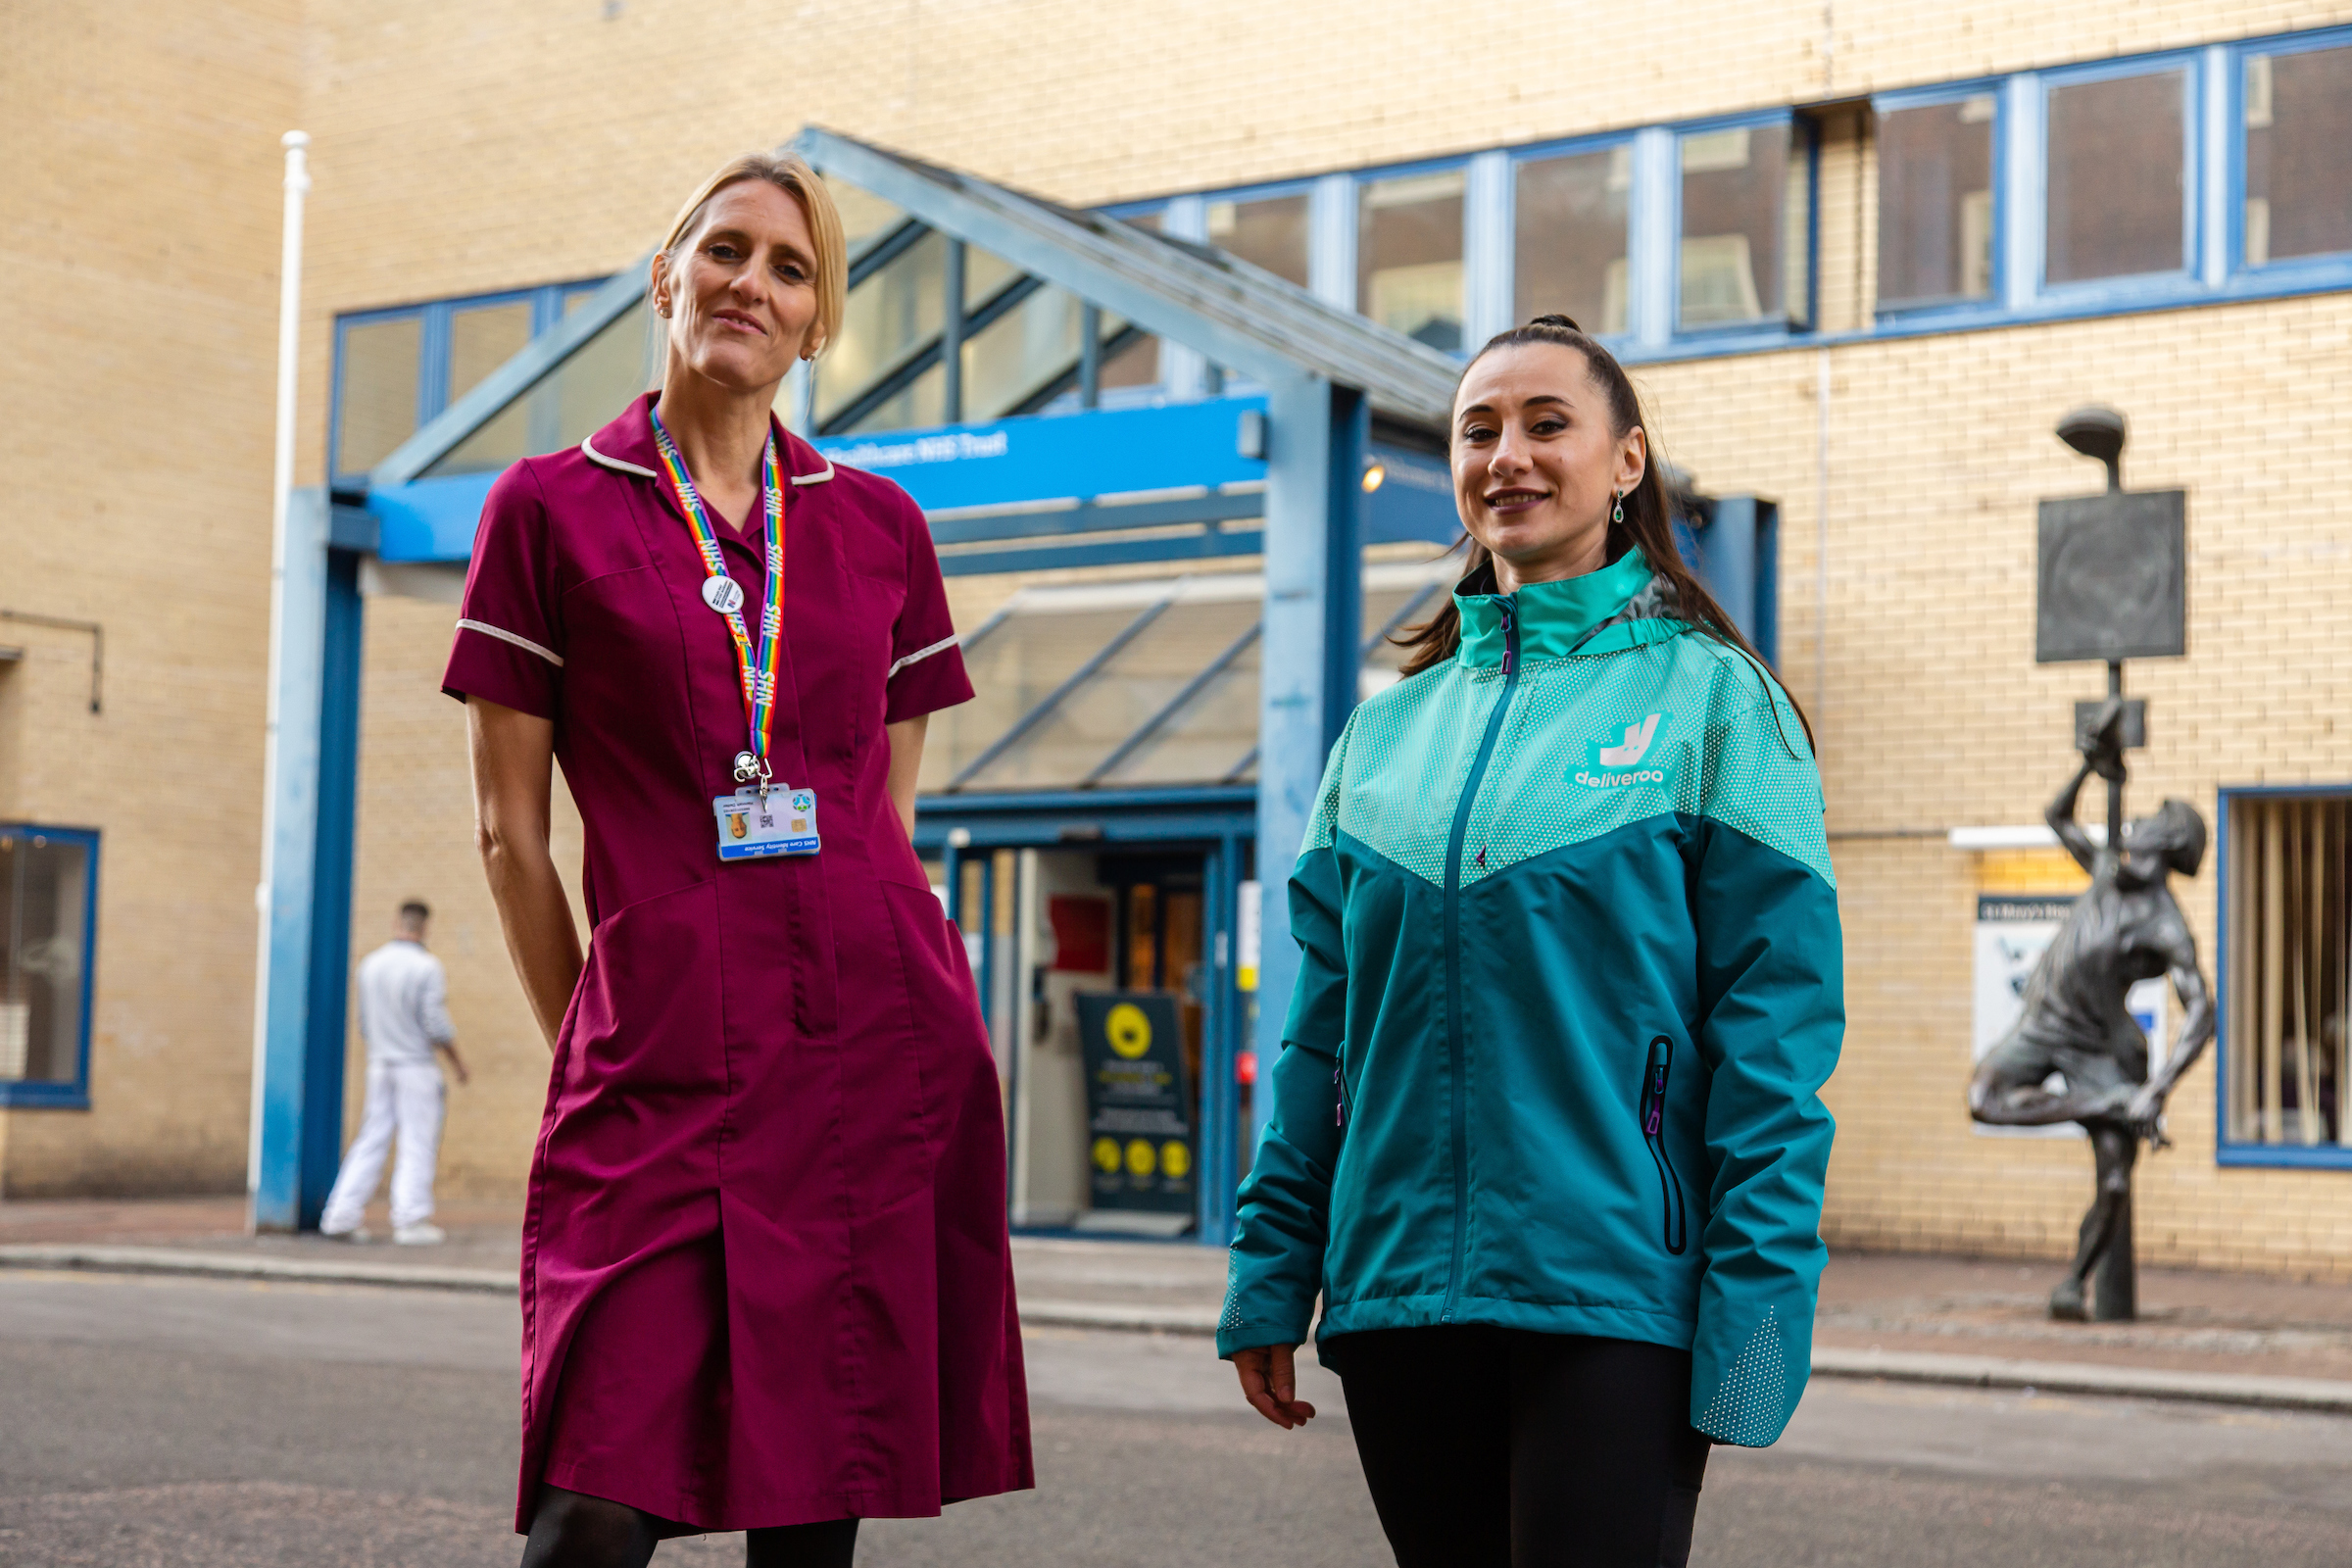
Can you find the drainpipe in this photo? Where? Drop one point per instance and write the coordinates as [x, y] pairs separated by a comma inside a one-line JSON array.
[[281, 489]]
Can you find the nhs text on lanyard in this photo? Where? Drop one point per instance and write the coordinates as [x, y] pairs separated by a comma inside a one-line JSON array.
[[762, 817]]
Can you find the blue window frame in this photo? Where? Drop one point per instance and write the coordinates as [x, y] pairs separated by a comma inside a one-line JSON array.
[[2282, 972], [1929, 274], [2104, 159], [1571, 216], [396, 367], [48, 944], [2289, 99]]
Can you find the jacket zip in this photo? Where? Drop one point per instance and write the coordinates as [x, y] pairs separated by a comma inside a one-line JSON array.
[[1674, 1220], [1456, 1048]]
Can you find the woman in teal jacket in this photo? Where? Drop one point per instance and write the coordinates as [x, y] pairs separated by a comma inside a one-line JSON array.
[[1546, 1135]]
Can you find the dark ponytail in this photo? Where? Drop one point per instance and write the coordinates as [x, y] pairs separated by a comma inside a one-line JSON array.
[[1648, 523]]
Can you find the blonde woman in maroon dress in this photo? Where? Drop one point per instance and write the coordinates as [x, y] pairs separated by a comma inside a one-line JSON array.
[[765, 1281]]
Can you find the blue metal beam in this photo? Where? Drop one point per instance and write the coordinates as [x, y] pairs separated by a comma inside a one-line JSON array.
[[1313, 627], [298, 1092]]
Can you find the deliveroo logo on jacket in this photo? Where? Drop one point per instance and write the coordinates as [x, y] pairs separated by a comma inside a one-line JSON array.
[[1617, 764]]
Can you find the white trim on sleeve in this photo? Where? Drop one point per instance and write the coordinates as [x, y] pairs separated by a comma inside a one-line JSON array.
[[506, 636], [918, 655]]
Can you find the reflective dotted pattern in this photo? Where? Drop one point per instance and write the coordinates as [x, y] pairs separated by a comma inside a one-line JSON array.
[[1578, 758], [1231, 1318], [1746, 1409]]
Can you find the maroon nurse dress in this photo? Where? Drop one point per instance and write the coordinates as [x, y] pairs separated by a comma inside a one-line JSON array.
[[765, 1270]]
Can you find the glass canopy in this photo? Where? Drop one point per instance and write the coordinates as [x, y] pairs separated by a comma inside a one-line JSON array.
[[1136, 685]]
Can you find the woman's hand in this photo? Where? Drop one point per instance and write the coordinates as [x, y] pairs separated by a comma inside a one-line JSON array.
[[1270, 1384]]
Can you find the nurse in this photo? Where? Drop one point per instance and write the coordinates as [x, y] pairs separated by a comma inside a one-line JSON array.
[[764, 1273]]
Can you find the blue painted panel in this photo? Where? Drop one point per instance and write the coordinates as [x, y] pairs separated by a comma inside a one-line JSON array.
[[1414, 501], [321, 1140], [1046, 458], [430, 520]]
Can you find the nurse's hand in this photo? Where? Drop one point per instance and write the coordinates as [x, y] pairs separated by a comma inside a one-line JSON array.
[[1270, 1384]]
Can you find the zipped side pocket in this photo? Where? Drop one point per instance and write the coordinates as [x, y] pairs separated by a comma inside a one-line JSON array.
[[1674, 1220]]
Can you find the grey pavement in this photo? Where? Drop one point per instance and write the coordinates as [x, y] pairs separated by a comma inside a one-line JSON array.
[[152, 1420]]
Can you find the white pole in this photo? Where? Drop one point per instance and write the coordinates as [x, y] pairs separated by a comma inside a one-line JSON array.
[[281, 490]]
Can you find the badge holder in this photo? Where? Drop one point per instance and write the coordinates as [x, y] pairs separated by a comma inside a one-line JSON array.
[[764, 819]]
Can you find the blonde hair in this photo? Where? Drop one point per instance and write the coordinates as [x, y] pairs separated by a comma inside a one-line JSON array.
[[791, 175]]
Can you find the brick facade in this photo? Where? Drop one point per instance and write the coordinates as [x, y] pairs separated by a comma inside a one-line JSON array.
[[461, 149]]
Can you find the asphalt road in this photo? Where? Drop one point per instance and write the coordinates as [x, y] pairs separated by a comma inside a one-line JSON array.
[[155, 1423]]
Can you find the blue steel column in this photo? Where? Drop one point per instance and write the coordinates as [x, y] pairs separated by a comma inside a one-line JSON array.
[[1315, 594], [1213, 1160], [298, 1101]]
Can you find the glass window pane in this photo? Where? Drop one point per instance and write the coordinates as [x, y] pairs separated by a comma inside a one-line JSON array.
[[1935, 203], [480, 341], [1268, 232], [1020, 353], [865, 217], [1570, 248], [1013, 670], [584, 394], [1744, 228], [44, 888], [2298, 155], [1408, 271], [378, 394], [1201, 742], [887, 315], [1137, 682], [1138, 362], [984, 273], [2116, 155]]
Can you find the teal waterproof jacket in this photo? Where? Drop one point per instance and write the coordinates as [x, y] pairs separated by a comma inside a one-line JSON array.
[[1572, 983]]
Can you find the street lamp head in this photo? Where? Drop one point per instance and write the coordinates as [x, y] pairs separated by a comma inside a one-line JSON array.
[[2097, 432]]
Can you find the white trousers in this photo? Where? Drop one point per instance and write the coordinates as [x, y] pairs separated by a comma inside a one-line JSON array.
[[402, 1097]]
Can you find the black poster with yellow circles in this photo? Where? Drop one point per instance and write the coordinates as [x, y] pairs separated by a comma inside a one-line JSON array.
[[1139, 1124]]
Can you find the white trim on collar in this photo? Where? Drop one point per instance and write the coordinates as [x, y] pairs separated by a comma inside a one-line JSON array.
[[588, 446]]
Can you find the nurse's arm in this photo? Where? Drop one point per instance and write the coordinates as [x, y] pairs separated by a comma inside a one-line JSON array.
[[513, 771], [905, 764]]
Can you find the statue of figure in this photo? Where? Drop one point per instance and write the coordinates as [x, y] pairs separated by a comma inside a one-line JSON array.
[[2125, 929]]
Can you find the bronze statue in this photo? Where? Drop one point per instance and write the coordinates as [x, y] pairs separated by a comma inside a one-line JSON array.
[[2125, 929]]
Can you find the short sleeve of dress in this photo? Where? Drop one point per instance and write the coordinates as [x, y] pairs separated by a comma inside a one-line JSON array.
[[509, 646], [926, 668]]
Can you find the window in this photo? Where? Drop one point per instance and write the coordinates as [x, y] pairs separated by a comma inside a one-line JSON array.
[[376, 390], [1268, 231], [48, 894], [1570, 243], [1935, 203], [1130, 359], [1747, 227], [1410, 255], [396, 370], [2284, 967], [2117, 165], [2298, 124]]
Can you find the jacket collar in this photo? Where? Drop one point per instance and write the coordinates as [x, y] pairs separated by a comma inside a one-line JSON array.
[[1556, 619], [626, 445]]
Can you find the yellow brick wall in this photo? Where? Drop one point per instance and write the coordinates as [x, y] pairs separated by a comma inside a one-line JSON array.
[[462, 148], [138, 237]]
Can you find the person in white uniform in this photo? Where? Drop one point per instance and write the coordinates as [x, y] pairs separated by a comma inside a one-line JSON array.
[[403, 1017]]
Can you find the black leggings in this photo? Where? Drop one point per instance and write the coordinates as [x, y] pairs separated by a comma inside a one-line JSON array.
[[1490, 1448], [572, 1529]]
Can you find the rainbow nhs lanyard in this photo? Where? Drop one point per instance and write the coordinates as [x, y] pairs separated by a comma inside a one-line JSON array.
[[724, 595]]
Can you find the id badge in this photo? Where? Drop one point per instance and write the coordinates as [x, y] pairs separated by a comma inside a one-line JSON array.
[[750, 829]]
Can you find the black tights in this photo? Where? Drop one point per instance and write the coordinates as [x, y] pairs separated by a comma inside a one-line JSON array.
[[1489, 1447], [572, 1529]]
